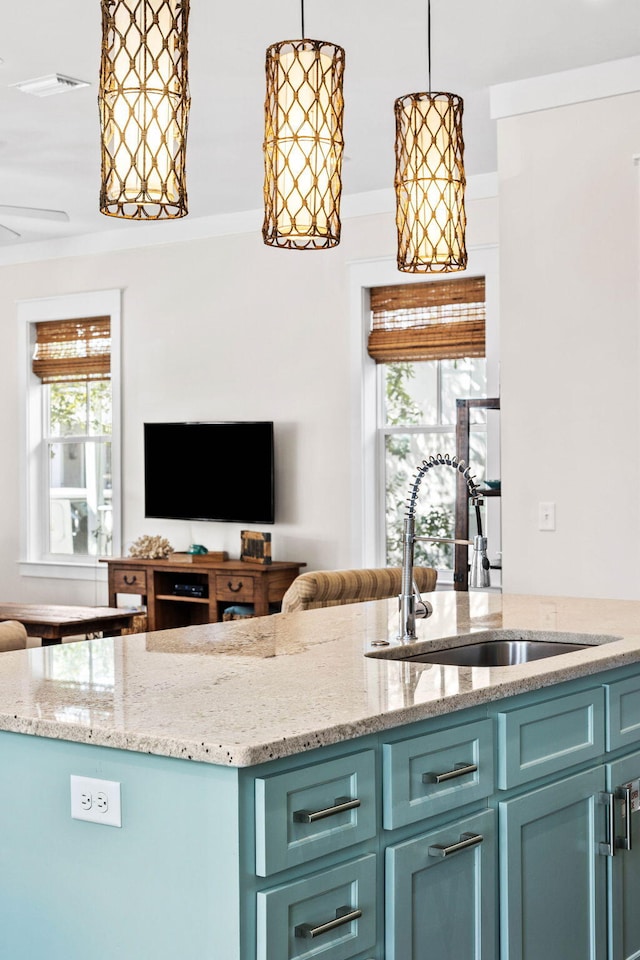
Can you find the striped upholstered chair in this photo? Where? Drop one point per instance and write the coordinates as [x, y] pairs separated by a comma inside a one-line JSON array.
[[332, 588]]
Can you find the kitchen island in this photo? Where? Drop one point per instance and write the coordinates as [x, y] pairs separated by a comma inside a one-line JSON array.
[[268, 767]]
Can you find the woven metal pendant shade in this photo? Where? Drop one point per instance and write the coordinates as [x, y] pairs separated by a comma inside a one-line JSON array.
[[303, 144], [144, 106], [430, 183]]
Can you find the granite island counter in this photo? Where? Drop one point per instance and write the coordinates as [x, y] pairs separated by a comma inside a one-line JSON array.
[[321, 774]]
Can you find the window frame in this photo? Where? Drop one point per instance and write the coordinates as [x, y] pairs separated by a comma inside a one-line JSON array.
[[367, 548], [34, 557]]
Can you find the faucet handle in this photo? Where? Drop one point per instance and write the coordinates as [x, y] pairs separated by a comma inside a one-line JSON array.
[[423, 609]]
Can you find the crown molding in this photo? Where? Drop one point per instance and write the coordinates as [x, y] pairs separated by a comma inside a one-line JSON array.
[[136, 235], [610, 79]]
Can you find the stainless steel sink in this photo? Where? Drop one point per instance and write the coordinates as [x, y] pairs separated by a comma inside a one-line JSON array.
[[497, 653], [492, 648]]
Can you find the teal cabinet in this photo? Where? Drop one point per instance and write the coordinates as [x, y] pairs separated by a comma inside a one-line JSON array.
[[441, 894], [624, 865], [330, 915], [302, 814], [436, 772], [623, 707], [407, 844], [163, 886], [549, 736], [553, 871]]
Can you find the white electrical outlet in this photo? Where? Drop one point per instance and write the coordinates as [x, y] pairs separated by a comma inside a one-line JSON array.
[[96, 800]]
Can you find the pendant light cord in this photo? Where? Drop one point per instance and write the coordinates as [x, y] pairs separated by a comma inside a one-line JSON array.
[[428, 41], [302, 16]]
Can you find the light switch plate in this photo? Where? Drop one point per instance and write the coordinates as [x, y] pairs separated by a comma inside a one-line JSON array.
[[96, 800], [546, 516]]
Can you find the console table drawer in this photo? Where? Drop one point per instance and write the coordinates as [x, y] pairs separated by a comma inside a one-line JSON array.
[[131, 580], [424, 776], [329, 915], [234, 587], [307, 813]]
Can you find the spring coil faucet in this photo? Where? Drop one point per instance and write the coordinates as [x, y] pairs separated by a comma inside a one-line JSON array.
[[411, 603]]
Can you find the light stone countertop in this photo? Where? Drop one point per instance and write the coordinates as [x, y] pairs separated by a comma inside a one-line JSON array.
[[248, 691]]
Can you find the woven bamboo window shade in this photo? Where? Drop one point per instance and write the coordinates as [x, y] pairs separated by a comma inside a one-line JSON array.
[[441, 320], [73, 350]]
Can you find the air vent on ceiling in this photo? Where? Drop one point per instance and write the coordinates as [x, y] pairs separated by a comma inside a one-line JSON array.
[[47, 86]]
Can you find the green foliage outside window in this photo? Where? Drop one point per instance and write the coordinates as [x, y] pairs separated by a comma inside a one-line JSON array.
[[80, 408], [401, 410]]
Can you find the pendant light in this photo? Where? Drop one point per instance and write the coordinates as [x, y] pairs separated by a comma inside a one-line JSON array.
[[303, 144], [430, 180], [144, 106]]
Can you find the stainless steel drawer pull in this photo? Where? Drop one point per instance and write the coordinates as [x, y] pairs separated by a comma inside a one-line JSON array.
[[466, 840], [310, 816], [343, 915], [459, 770], [624, 793]]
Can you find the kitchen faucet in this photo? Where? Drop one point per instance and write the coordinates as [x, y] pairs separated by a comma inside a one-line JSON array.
[[411, 603]]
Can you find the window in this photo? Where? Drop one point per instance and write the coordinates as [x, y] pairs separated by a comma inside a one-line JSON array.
[[71, 464], [419, 420], [72, 359], [428, 340]]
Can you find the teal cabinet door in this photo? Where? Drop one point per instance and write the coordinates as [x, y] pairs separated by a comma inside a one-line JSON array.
[[624, 866], [554, 872], [441, 894]]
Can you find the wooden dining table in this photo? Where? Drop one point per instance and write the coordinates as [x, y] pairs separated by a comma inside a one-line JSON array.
[[52, 622]]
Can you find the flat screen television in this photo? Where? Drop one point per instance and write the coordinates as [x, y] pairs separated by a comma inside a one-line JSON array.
[[210, 471]]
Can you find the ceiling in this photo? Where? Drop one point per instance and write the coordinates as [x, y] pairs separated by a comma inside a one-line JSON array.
[[49, 154]]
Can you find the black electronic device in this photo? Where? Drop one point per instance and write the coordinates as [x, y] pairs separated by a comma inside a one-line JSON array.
[[189, 590], [210, 471]]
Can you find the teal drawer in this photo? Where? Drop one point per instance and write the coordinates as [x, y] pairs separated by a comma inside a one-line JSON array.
[[306, 813], [311, 917], [623, 713], [424, 776], [549, 737]]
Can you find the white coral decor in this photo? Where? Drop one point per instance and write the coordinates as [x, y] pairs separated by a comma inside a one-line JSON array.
[[151, 548]]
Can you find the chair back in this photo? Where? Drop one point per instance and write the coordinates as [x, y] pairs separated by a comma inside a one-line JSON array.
[[13, 636], [332, 588]]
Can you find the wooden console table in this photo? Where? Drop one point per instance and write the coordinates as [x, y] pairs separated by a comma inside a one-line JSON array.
[[221, 583]]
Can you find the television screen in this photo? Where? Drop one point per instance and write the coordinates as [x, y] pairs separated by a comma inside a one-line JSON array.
[[209, 471]]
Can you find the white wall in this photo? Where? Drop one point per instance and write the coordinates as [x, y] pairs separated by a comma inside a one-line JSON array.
[[227, 328], [570, 309], [222, 328]]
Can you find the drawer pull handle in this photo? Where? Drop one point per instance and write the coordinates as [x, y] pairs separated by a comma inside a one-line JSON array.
[[343, 915], [235, 589], [607, 848], [624, 793], [466, 840], [459, 770], [310, 816], [130, 580]]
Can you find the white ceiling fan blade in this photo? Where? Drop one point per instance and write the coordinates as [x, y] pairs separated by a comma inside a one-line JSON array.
[[37, 213], [12, 233]]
